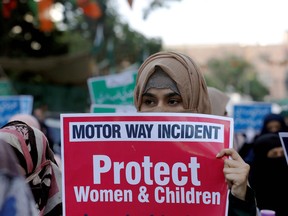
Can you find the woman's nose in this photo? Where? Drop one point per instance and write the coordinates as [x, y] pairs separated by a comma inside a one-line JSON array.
[[161, 108]]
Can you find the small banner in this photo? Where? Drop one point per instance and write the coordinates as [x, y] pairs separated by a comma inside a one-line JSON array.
[[14, 104], [117, 89], [103, 108], [250, 116]]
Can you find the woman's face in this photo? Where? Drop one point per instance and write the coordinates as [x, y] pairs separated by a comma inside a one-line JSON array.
[[276, 152], [273, 126], [161, 100]]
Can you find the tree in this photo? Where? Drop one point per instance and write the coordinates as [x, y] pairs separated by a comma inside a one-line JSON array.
[[235, 73], [74, 26], [38, 53]]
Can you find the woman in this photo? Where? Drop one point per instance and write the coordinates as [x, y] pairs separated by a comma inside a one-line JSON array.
[[37, 163], [172, 82], [15, 195], [272, 123], [270, 174], [27, 118]]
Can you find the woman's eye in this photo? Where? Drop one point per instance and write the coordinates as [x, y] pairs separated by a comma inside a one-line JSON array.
[[174, 101], [148, 102]]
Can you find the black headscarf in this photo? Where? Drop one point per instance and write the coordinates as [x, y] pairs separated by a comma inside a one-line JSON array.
[[269, 176], [273, 117]]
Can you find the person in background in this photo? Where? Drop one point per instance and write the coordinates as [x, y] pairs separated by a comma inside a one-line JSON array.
[[15, 195], [172, 82], [272, 123], [27, 118], [41, 115], [37, 163], [269, 174], [32, 121], [218, 100]]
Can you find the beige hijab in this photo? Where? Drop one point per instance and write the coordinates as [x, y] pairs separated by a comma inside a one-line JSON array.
[[186, 74], [219, 101]]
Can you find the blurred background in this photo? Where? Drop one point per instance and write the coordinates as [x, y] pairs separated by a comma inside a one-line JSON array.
[[59, 51], [49, 49]]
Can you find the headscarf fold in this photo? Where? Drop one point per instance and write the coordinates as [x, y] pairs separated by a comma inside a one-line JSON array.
[[218, 100], [37, 159], [186, 74], [159, 79]]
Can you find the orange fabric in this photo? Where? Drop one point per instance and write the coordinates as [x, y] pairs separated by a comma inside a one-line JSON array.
[[8, 6], [45, 22], [90, 8]]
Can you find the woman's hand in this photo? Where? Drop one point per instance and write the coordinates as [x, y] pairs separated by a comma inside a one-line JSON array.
[[236, 172]]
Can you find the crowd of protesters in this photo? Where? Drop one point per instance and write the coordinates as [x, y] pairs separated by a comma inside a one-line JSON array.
[[166, 82]]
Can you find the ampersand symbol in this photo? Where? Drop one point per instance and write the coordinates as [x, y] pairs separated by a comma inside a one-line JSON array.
[[143, 197]]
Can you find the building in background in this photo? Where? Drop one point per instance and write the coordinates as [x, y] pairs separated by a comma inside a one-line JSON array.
[[270, 61]]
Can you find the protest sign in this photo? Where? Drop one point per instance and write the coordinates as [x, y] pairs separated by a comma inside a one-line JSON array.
[[6, 87], [250, 116], [14, 104], [144, 164], [113, 89], [103, 108]]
